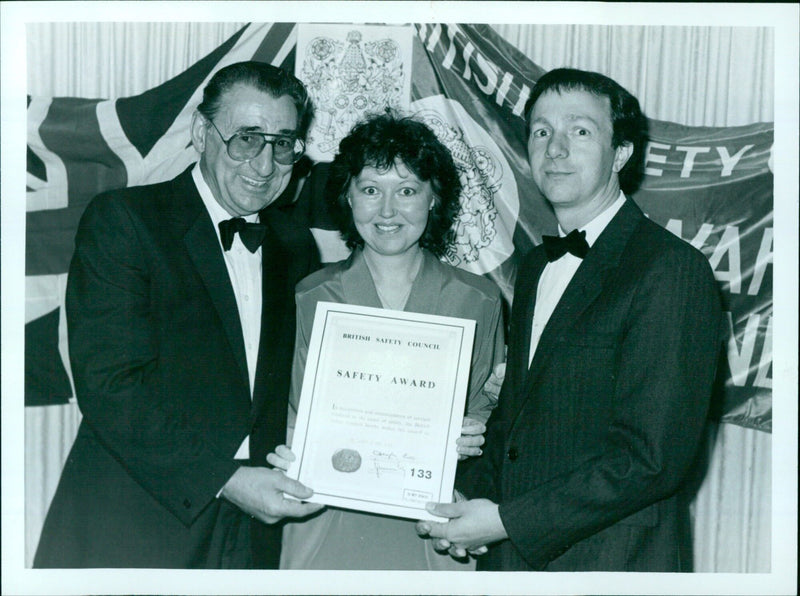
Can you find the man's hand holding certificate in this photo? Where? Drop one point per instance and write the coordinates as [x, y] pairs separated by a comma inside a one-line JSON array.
[[381, 409]]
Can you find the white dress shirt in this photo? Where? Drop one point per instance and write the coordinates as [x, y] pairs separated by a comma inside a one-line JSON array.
[[244, 270], [557, 274]]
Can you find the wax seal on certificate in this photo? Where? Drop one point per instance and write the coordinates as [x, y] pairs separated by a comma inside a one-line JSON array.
[[346, 460]]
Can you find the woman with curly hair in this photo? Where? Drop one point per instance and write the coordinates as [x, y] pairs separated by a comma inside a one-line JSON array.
[[393, 190]]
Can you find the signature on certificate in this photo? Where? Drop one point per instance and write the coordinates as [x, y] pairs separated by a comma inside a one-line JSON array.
[[388, 463]]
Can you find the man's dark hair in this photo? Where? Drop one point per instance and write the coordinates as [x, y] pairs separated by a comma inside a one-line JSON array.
[[264, 77], [629, 124], [378, 142]]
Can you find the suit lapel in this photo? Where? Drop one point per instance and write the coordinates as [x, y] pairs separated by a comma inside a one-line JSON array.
[[426, 291], [526, 294], [587, 283], [357, 284], [276, 294], [203, 247]]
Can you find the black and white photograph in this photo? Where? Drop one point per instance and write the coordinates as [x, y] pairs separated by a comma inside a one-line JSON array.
[[603, 196]]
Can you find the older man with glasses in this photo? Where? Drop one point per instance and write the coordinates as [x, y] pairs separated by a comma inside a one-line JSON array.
[[180, 311]]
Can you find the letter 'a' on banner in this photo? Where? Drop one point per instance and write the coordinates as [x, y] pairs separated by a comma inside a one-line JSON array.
[[713, 187]]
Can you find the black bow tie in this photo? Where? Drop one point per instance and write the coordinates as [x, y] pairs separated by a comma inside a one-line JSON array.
[[251, 234], [574, 243]]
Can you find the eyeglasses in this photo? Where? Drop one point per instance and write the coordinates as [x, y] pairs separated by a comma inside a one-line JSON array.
[[244, 146]]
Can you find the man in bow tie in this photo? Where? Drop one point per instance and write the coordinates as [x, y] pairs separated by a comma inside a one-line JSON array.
[[180, 311], [613, 345]]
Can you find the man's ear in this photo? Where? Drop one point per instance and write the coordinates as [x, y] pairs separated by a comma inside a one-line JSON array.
[[622, 155], [198, 131]]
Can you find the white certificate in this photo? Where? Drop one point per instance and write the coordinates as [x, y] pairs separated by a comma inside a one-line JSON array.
[[381, 408]]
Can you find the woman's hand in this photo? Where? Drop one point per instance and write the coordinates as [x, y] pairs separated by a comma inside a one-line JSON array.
[[471, 439], [281, 458]]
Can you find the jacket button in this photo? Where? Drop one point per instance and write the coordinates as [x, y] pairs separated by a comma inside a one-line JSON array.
[[187, 503], [513, 453]]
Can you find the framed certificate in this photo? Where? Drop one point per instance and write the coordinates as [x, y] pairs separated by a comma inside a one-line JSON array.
[[381, 408]]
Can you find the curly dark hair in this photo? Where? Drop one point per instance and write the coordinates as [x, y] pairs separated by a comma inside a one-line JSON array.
[[629, 124], [379, 141]]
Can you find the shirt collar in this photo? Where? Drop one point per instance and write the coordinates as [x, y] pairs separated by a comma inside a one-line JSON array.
[[595, 227], [215, 210]]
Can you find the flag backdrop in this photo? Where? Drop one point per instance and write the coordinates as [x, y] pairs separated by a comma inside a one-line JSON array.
[[712, 187]]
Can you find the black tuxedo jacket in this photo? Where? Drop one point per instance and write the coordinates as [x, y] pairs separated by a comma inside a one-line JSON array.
[[588, 448], [160, 374]]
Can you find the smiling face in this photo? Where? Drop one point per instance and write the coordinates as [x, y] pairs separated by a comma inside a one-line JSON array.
[[570, 153], [244, 187], [390, 208]]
